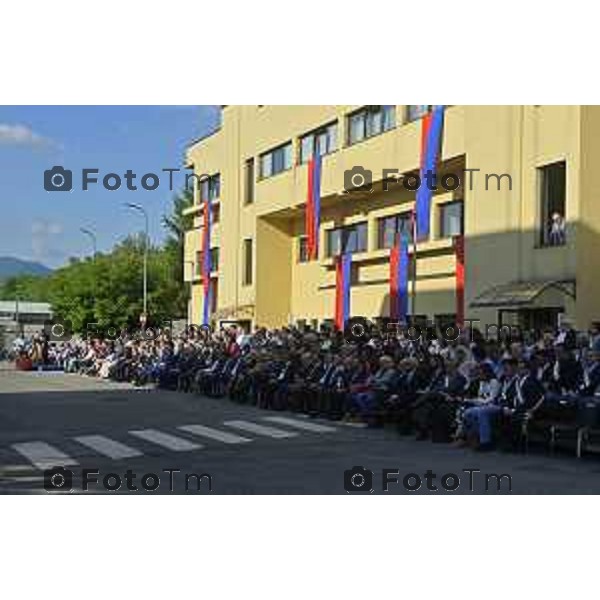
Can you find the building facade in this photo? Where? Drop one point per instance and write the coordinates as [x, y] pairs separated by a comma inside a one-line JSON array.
[[525, 200], [21, 318]]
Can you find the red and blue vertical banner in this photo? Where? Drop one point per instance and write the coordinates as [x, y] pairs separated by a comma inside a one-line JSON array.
[[313, 206], [343, 273], [206, 261], [431, 145], [459, 250], [399, 262]]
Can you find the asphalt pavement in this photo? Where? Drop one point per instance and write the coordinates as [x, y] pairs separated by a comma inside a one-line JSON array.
[[140, 441]]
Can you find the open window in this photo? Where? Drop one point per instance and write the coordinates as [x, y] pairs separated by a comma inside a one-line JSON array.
[[553, 202]]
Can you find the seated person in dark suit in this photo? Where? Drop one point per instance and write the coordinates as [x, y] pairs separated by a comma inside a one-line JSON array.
[[413, 380], [521, 395], [378, 387], [304, 376], [530, 395], [437, 404], [314, 399], [333, 387], [566, 373], [271, 373], [241, 387], [590, 385]]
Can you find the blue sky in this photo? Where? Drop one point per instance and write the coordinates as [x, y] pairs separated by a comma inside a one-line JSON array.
[[42, 226]]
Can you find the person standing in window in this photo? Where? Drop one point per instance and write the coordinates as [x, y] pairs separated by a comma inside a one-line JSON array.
[[557, 233]]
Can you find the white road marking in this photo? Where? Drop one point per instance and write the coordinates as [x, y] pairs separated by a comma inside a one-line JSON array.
[[172, 442], [108, 447], [215, 434], [260, 429], [306, 425], [44, 456]]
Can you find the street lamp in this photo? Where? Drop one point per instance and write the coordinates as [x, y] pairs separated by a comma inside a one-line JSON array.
[[143, 211], [92, 236], [17, 319]]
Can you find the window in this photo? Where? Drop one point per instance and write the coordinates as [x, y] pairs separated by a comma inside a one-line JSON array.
[[249, 177], [416, 111], [388, 227], [210, 188], [275, 161], [370, 121], [349, 239], [451, 219], [214, 290], [248, 263], [553, 189], [216, 213], [319, 142], [214, 261], [303, 249]]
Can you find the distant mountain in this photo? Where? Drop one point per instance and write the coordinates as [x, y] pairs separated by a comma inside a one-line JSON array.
[[9, 267]]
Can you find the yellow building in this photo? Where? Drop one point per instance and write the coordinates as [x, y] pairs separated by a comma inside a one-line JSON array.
[[529, 214]]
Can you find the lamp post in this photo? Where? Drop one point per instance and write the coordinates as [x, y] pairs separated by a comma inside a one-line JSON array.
[[92, 236], [143, 211], [17, 314]]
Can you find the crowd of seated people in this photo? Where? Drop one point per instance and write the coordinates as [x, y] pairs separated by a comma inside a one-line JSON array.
[[124, 359], [470, 390]]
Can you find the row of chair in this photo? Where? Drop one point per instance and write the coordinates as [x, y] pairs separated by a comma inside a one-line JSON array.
[[559, 419], [565, 418]]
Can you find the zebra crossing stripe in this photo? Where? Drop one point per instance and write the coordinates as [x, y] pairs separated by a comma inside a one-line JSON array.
[[214, 434], [260, 429], [44, 456], [172, 442], [108, 447], [305, 425]]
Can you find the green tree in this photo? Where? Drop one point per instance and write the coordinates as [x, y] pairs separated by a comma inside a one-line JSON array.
[[177, 223], [107, 289], [71, 292], [27, 287]]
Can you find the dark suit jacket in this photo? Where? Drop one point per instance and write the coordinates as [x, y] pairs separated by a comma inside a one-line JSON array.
[[531, 392], [594, 384], [456, 385], [570, 374]]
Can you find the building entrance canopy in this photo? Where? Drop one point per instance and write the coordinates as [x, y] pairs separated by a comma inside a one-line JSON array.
[[524, 294]]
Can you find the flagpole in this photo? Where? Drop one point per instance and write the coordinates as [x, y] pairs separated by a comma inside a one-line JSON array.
[[413, 311], [431, 140]]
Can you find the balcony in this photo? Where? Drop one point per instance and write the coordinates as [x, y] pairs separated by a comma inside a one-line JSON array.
[[425, 250], [397, 148]]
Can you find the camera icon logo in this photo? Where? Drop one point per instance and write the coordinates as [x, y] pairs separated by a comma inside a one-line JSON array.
[[57, 330], [58, 179], [358, 179], [358, 330], [358, 479], [58, 478]]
